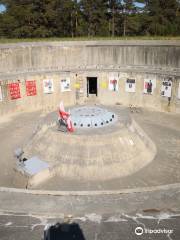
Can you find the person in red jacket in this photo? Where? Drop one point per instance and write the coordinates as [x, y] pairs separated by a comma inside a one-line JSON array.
[[65, 116]]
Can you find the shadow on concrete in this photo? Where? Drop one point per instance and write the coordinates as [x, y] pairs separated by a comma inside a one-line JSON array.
[[63, 231]]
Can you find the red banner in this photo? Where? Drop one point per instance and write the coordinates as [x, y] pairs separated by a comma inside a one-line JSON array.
[[31, 88], [14, 90]]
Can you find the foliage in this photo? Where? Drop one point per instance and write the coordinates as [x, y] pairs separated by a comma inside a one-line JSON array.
[[92, 18]]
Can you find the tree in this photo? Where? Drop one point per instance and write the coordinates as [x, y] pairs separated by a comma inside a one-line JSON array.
[[162, 16], [94, 13], [114, 16]]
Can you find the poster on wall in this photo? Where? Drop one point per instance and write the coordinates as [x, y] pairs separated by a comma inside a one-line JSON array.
[[48, 86], [113, 83], [31, 88], [166, 88], [65, 85], [130, 85], [149, 86], [14, 90], [104, 85], [1, 96], [179, 92]]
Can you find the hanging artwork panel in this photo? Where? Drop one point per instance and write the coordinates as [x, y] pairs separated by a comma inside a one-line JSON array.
[[14, 91], [113, 83], [65, 85], [166, 88], [31, 88], [179, 92], [1, 95], [48, 86], [130, 85], [149, 86]]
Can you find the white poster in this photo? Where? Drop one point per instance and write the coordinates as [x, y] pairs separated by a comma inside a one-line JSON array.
[[1, 96], [166, 88], [179, 92], [48, 86], [65, 85], [113, 83], [149, 86], [130, 85]]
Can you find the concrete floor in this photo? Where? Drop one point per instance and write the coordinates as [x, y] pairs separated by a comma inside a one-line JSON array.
[[100, 217], [112, 215], [162, 128]]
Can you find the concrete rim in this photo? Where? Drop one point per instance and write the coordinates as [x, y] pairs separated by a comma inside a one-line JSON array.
[[91, 193]]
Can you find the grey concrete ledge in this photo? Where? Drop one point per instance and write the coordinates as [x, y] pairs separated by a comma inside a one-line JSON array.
[[134, 69], [94, 43], [90, 193]]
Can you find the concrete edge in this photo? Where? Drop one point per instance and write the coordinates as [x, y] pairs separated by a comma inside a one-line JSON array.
[[90, 193], [88, 43], [49, 173]]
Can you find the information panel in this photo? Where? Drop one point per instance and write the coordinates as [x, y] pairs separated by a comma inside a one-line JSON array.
[[166, 88], [149, 86], [31, 88], [48, 86], [1, 96], [65, 85], [130, 85], [14, 90], [113, 83], [179, 92]]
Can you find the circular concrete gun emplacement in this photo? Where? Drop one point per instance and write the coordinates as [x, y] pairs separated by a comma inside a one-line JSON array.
[[92, 117], [118, 149]]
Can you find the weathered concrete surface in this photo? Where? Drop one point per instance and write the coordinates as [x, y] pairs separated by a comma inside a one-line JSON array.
[[162, 128], [79, 60], [29, 56], [110, 216], [100, 154]]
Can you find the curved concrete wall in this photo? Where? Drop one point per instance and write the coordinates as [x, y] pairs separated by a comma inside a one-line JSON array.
[[78, 60]]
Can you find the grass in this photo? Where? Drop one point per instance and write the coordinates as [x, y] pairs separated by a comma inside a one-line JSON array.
[[16, 40]]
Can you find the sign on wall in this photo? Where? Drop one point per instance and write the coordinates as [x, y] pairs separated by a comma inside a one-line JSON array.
[[65, 85], [166, 88], [149, 86], [1, 96], [31, 88], [179, 92], [48, 86], [104, 85], [113, 83], [77, 85], [14, 90], [130, 85]]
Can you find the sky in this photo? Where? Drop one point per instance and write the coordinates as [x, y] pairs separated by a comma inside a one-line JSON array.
[[2, 8]]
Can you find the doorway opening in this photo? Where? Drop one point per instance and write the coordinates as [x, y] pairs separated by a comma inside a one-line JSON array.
[[92, 86]]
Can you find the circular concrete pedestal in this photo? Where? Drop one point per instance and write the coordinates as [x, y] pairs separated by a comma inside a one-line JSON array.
[[92, 117]]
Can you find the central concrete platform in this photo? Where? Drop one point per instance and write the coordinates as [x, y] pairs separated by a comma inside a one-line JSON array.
[[92, 117], [32, 131], [118, 149]]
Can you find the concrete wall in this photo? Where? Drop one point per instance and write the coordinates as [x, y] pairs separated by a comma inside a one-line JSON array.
[[79, 60]]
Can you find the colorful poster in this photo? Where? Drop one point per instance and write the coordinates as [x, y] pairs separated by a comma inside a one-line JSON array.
[[77, 85], [149, 86], [113, 83], [1, 96], [65, 85], [166, 88], [31, 88], [104, 85], [130, 85], [14, 90], [179, 92], [48, 86]]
